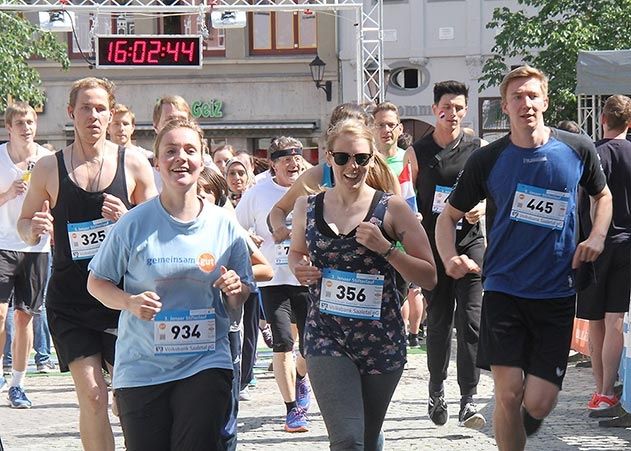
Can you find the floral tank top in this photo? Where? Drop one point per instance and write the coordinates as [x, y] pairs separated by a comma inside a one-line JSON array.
[[376, 345]]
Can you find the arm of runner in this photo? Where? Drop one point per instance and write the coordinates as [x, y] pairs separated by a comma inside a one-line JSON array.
[[592, 247], [144, 306], [35, 218], [476, 213], [18, 187], [298, 259], [306, 184], [456, 266], [144, 186], [416, 264], [230, 284], [261, 268]]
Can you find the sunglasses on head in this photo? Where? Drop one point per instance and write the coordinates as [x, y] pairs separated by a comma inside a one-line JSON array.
[[341, 158]]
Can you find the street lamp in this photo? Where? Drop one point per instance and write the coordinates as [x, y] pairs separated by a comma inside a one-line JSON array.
[[317, 75]]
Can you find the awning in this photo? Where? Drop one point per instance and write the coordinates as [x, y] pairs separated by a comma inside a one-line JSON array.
[[603, 72], [236, 126]]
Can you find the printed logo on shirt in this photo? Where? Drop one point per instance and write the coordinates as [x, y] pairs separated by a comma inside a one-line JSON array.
[[170, 260], [206, 262]]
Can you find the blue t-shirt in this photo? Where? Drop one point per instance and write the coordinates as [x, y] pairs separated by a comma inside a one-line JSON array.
[[524, 259], [152, 251]]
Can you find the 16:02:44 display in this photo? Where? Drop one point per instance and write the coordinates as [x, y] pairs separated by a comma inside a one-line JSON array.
[[148, 51]]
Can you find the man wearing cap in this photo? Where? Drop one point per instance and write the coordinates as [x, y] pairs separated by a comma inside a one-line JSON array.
[[283, 295]]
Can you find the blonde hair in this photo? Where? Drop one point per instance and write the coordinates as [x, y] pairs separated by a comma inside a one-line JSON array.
[[617, 111], [119, 108], [91, 83], [178, 123], [18, 109], [177, 101], [524, 72], [379, 176]]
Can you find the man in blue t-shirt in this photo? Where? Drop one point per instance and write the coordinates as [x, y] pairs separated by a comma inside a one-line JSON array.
[[529, 179]]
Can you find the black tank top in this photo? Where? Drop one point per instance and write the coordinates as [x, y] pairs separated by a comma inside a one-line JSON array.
[[67, 291]]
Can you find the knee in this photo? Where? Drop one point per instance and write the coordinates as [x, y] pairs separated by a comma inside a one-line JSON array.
[[541, 408], [22, 319], [347, 441], [509, 400], [94, 399]]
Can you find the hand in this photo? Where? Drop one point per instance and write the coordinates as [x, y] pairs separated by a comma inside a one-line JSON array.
[[281, 234], [145, 305], [257, 239], [17, 188], [228, 282], [588, 251], [305, 272], [370, 236], [419, 216], [476, 213], [459, 266], [42, 221], [113, 208]]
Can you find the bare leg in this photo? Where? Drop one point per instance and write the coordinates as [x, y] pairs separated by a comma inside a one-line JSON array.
[[4, 308], [415, 302], [540, 396], [611, 351], [94, 422], [596, 339], [285, 375], [405, 314], [507, 421], [22, 339]]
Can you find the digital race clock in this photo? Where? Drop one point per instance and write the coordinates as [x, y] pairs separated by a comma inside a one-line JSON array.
[[165, 51]]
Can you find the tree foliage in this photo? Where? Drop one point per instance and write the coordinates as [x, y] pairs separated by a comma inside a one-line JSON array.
[[19, 41], [547, 34]]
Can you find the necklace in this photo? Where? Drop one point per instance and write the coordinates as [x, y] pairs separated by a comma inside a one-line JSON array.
[[91, 186]]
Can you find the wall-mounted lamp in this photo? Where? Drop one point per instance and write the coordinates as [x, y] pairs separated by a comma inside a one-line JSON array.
[[317, 75]]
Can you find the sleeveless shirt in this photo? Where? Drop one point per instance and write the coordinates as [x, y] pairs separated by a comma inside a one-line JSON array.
[[375, 346], [67, 290]]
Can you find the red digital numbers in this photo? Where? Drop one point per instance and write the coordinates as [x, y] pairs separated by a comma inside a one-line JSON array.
[[159, 51]]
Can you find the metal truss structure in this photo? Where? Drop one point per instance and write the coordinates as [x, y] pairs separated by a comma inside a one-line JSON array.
[[369, 29], [589, 110]]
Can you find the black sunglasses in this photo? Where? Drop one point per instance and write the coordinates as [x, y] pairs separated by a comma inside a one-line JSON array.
[[341, 158]]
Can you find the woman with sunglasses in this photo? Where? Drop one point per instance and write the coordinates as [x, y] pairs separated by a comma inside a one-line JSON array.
[[321, 176], [184, 265], [343, 248]]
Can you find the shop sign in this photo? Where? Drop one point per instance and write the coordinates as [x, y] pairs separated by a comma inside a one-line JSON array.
[[209, 109]]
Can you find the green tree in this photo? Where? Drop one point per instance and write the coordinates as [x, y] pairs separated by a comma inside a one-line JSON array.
[[547, 34], [19, 41]]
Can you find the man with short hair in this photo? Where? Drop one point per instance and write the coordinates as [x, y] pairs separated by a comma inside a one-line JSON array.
[[23, 267], [438, 158], [530, 180], [122, 128], [605, 302]]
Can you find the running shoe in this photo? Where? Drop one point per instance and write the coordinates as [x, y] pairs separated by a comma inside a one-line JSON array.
[[296, 421], [303, 393], [46, 367], [18, 399], [437, 408], [3, 384], [244, 395], [602, 402], [266, 332], [413, 340], [469, 417]]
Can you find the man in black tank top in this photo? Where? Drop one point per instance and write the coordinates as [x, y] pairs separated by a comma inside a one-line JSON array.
[[78, 194], [439, 158]]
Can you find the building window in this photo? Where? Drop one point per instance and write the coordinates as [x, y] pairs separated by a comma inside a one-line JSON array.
[[214, 45], [408, 80], [493, 122], [283, 32]]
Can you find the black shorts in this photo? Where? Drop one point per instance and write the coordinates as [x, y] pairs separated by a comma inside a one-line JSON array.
[[73, 341], [24, 274], [186, 414], [611, 290], [532, 334], [279, 303]]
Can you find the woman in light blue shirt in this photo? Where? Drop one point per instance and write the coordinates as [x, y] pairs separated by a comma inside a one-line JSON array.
[[184, 265]]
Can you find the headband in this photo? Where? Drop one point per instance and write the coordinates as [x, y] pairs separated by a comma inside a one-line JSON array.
[[286, 152]]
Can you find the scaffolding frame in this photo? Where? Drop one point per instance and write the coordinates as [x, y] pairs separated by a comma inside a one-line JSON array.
[[369, 23]]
